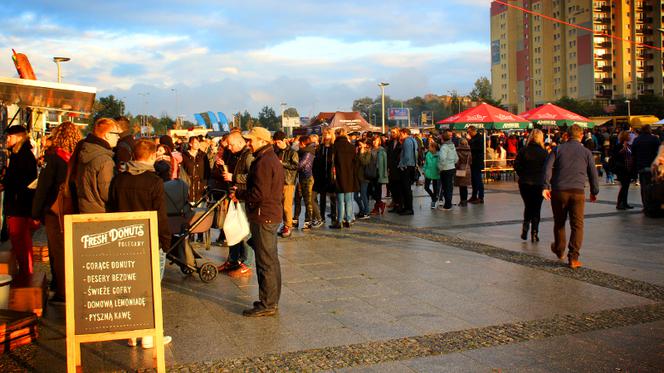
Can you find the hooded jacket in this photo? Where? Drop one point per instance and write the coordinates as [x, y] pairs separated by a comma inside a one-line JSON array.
[[21, 172], [94, 171], [306, 161], [140, 189]]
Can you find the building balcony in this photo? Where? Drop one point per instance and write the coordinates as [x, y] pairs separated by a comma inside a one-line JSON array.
[[649, 92], [603, 8], [602, 20], [605, 56], [604, 44], [607, 93], [607, 80], [605, 69], [649, 80]]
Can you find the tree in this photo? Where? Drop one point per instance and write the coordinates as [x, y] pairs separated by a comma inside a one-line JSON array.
[[268, 119], [107, 107], [482, 92], [291, 112], [581, 107]]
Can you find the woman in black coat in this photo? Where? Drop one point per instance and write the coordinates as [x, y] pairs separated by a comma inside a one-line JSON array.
[[529, 165], [346, 179], [64, 139], [622, 165], [197, 167], [17, 203]]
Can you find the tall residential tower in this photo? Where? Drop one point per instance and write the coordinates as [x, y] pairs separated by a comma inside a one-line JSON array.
[[537, 60]]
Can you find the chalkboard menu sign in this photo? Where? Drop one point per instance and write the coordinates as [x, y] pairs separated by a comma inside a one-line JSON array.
[[112, 276], [112, 273]]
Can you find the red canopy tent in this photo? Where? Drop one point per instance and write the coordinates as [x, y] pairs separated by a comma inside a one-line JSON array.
[[552, 115], [484, 116]]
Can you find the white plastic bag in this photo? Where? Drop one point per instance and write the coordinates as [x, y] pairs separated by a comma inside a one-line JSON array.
[[236, 226]]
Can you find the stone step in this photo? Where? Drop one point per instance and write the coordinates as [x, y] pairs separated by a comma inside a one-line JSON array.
[[17, 329], [29, 294]]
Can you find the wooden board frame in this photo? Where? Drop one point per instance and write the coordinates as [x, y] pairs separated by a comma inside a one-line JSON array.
[[73, 340]]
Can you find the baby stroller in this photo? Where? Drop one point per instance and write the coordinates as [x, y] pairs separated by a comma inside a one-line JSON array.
[[181, 251]]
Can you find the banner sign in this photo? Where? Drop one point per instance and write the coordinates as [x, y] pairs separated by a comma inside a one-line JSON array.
[[398, 113]]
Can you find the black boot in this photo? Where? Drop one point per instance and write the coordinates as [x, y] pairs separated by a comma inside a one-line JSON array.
[[524, 230], [534, 232]]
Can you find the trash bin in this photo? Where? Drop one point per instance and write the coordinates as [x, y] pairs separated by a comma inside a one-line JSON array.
[[5, 281]]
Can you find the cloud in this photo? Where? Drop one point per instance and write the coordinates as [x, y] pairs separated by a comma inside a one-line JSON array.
[[231, 57]]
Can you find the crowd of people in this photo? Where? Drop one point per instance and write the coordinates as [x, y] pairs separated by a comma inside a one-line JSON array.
[[273, 177]]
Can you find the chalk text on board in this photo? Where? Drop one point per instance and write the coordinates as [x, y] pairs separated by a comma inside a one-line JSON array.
[[104, 238]]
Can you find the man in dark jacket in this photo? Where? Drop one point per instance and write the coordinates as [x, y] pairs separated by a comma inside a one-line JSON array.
[[289, 159], [393, 148], [125, 146], [476, 143], [17, 203], [644, 151], [346, 179], [322, 171], [139, 188], [264, 198], [565, 174]]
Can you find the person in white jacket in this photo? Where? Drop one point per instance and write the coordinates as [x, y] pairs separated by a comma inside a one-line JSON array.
[[447, 159]]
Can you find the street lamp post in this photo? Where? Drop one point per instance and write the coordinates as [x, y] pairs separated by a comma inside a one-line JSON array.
[[629, 109], [177, 104], [382, 86], [57, 61], [144, 122], [283, 119]]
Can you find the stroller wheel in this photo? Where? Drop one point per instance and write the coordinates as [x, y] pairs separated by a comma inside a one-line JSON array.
[[186, 269], [207, 272]]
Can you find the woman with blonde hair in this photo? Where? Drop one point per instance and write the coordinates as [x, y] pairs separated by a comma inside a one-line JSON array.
[[529, 166], [63, 142]]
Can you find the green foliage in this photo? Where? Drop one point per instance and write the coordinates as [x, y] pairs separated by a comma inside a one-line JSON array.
[[291, 112], [371, 109], [482, 92], [107, 107], [268, 119], [643, 105], [582, 107]]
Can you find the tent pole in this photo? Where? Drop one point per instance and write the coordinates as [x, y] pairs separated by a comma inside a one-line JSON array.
[[484, 144]]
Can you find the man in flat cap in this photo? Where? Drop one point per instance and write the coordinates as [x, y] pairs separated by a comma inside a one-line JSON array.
[[263, 196]]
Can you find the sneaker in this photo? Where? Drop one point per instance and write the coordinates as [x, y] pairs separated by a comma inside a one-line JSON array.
[[335, 225], [148, 341], [306, 226], [317, 224], [364, 216], [241, 271], [295, 223], [285, 232], [433, 205], [226, 266]]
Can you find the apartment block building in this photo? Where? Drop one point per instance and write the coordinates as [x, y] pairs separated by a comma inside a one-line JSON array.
[[535, 60]]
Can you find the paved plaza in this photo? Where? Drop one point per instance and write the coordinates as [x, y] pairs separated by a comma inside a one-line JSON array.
[[440, 291]]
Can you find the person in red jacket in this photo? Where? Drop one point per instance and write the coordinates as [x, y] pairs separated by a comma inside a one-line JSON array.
[[264, 196]]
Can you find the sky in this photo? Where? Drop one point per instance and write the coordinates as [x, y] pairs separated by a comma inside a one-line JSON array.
[[183, 57]]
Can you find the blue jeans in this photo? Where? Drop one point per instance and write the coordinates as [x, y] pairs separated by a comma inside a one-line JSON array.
[[362, 198], [345, 205], [477, 183]]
